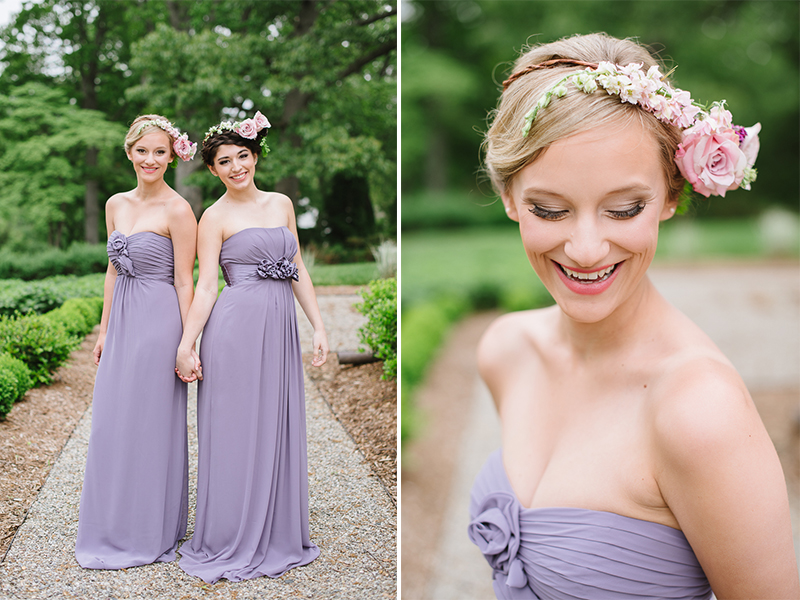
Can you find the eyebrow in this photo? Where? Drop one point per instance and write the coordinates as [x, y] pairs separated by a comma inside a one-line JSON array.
[[634, 187], [224, 156]]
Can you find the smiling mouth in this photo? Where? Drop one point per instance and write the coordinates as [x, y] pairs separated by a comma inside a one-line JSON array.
[[586, 278], [239, 177]]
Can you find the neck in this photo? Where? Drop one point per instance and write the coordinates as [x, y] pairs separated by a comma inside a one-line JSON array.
[[242, 195], [147, 190], [627, 323]]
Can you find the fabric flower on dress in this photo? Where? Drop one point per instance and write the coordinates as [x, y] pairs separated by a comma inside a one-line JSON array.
[[495, 530], [279, 269], [117, 249]]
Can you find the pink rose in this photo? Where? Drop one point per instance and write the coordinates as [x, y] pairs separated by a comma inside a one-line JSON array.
[[184, 148], [247, 129], [751, 144], [261, 121], [712, 163]]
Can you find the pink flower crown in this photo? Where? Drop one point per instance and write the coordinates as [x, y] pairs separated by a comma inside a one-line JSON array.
[[181, 144], [248, 129], [715, 155]]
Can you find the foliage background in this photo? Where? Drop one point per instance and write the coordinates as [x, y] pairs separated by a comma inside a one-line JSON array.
[[75, 73], [455, 54]]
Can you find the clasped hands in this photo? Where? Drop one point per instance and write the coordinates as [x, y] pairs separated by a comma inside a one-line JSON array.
[[187, 366]]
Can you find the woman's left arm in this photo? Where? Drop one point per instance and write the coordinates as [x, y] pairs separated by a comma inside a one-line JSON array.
[[720, 475], [304, 291], [183, 231]]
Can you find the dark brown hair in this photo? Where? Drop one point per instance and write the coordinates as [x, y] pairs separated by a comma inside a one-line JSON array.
[[212, 144]]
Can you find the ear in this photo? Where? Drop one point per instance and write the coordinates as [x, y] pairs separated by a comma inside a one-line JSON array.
[[670, 206], [510, 205], [213, 172]]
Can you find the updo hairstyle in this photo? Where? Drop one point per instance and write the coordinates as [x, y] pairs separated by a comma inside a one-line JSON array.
[[212, 144], [507, 151], [134, 135]]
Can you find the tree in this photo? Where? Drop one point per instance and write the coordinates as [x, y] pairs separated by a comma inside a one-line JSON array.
[[42, 185]]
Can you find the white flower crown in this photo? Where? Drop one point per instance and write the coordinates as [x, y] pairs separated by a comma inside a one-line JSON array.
[[183, 147], [714, 156], [248, 129]]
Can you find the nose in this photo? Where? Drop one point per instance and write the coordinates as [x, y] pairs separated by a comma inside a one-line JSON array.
[[587, 245]]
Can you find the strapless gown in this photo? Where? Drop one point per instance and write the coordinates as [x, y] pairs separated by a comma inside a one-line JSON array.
[[252, 482], [566, 553], [134, 501]]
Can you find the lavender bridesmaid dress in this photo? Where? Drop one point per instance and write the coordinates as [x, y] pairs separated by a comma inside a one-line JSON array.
[[252, 482], [570, 553], [134, 502]]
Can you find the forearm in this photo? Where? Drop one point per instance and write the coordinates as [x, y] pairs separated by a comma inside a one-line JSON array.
[[185, 294], [304, 292], [200, 310], [108, 294]]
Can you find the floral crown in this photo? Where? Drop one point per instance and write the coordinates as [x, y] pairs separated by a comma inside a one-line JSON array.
[[714, 156], [182, 146], [248, 129]]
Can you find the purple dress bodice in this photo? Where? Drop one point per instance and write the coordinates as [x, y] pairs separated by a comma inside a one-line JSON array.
[[566, 553]]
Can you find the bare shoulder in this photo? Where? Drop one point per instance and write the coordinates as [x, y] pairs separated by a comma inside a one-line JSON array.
[[700, 406], [512, 338], [277, 201], [117, 200], [179, 208]]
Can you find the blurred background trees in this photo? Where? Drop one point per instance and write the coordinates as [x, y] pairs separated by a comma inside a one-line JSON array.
[[75, 73], [455, 55]]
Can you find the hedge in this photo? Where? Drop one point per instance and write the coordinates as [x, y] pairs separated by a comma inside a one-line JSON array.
[[41, 343], [15, 380], [78, 259], [43, 296], [380, 331]]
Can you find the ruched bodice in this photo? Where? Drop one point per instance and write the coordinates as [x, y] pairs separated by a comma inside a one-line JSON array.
[[144, 255], [259, 253], [564, 553]]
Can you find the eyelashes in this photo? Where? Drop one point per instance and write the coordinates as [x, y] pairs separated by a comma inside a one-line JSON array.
[[556, 215]]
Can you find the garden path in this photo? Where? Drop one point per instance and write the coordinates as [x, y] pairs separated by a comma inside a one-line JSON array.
[[352, 518]]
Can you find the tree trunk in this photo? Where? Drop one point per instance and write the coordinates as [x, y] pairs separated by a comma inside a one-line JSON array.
[[91, 206], [192, 193]]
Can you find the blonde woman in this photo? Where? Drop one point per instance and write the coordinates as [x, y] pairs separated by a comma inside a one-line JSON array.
[[633, 461], [134, 501]]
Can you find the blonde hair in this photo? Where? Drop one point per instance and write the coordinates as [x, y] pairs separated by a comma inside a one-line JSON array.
[[507, 152], [137, 132]]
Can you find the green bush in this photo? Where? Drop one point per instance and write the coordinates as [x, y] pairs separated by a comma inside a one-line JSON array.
[[43, 296], [24, 297], [8, 390], [380, 331], [38, 341], [78, 259], [15, 380]]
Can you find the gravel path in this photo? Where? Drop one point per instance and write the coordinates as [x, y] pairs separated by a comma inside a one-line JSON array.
[[352, 518], [752, 312]]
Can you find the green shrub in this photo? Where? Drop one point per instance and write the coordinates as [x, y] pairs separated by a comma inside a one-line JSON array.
[[23, 297], [8, 391], [45, 295], [15, 380], [40, 342], [78, 259], [78, 316], [380, 331]]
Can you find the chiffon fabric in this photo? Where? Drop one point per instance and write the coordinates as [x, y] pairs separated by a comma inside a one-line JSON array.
[[568, 553], [252, 483], [134, 502]]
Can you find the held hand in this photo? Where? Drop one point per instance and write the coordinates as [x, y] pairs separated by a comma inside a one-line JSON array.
[[320, 343], [198, 367], [185, 365], [98, 349]]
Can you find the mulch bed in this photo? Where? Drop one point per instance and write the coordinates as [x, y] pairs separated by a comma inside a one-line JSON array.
[[366, 406]]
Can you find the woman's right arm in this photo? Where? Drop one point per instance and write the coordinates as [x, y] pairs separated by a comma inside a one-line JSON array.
[[209, 243], [108, 289]]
